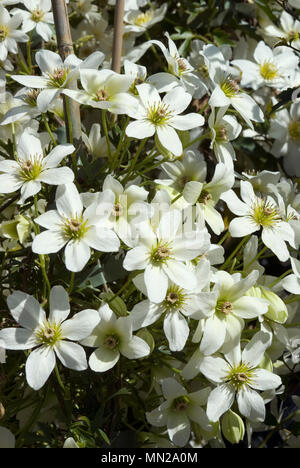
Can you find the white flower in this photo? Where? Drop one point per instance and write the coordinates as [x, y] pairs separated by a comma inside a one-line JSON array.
[[176, 305], [206, 195], [161, 116], [56, 74], [10, 109], [272, 67], [9, 35], [37, 17], [162, 254], [178, 67], [289, 31], [31, 168], [226, 308], [138, 22], [224, 129], [178, 410], [27, 107], [49, 336], [113, 337], [226, 90], [104, 89], [239, 377], [259, 212], [285, 129], [291, 283], [95, 143], [77, 229]]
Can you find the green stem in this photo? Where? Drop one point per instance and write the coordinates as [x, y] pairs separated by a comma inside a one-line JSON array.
[[104, 125], [293, 299], [198, 139], [59, 379], [279, 279], [117, 152], [47, 286], [232, 255], [29, 60], [71, 282], [223, 238], [49, 129], [13, 135], [133, 163]]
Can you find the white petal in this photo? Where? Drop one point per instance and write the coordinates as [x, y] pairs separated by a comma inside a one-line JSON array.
[[264, 380], [59, 304], [7, 439], [103, 359], [140, 129], [254, 350], [77, 254], [251, 404], [48, 242], [187, 122], [26, 310], [57, 176], [156, 283], [169, 139], [68, 201], [176, 330], [136, 259], [17, 338], [219, 401], [214, 368], [213, 335], [136, 348], [39, 365], [104, 240], [54, 158], [71, 355], [249, 307], [179, 428], [180, 274], [241, 227], [80, 325]]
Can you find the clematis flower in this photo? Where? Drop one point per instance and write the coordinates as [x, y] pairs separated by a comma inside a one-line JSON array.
[[259, 212], [9, 33], [51, 337], [226, 307], [162, 254], [31, 168], [77, 229], [56, 74], [38, 17], [239, 376], [272, 67], [178, 304], [179, 409], [206, 195], [223, 129], [113, 337], [289, 29], [226, 89], [138, 22], [161, 117], [104, 89]]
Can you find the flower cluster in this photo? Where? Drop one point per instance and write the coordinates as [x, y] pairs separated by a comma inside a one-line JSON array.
[[149, 223]]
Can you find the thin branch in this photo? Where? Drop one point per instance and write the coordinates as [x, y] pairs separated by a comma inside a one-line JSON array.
[[118, 36]]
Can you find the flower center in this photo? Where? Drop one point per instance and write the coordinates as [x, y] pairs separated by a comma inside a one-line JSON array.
[[3, 32], [117, 210], [37, 15], [294, 130], [224, 307], [158, 114], [174, 300], [111, 342], [268, 71], [181, 404], [31, 97], [183, 66], [49, 333], [102, 95], [144, 18], [160, 254], [240, 375], [203, 70], [58, 77], [265, 213], [205, 197], [31, 168], [75, 228], [230, 87], [221, 134], [293, 36]]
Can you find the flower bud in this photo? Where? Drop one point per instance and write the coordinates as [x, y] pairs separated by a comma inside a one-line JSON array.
[[233, 427], [116, 304], [145, 335], [277, 309]]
